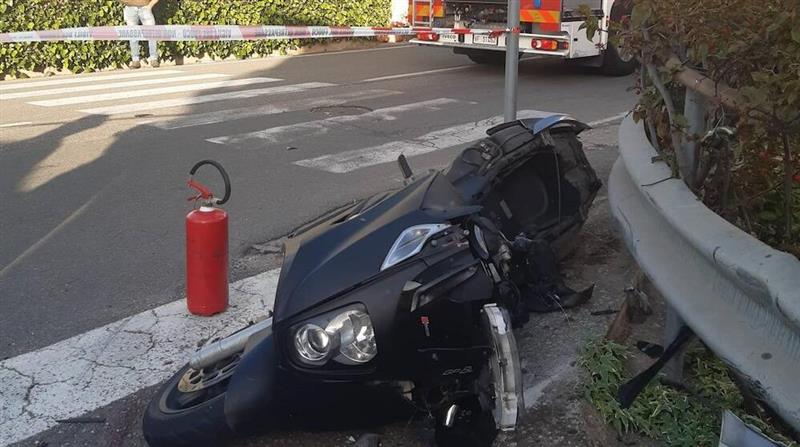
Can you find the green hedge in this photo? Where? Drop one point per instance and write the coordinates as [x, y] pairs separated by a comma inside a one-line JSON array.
[[752, 46], [24, 15]]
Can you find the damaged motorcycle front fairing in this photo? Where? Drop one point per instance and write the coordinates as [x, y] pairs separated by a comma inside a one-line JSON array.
[[412, 292]]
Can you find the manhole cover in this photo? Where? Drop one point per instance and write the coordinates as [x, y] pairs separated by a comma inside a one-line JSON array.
[[341, 110]]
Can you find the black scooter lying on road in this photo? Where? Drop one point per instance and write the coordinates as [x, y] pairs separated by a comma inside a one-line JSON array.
[[414, 291]]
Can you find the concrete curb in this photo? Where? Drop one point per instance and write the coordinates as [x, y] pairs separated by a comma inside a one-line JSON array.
[[739, 295]]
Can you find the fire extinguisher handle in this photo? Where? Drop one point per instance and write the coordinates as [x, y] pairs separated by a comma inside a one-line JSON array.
[[222, 172]]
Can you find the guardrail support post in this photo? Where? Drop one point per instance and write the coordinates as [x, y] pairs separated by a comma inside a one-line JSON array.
[[694, 110], [673, 370], [512, 62]]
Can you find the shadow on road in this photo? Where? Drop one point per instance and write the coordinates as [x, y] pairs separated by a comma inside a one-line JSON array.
[[104, 239]]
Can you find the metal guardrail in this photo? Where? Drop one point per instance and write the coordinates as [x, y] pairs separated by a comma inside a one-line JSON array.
[[740, 296]]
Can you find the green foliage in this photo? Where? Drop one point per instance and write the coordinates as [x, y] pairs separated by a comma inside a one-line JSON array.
[[26, 15], [752, 46], [677, 418]]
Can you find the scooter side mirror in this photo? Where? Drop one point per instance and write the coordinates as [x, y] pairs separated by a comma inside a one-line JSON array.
[[405, 169]]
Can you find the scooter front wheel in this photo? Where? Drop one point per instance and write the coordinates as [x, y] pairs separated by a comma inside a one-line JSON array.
[[189, 410]]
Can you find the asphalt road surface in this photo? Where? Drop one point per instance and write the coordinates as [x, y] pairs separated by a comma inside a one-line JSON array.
[[93, 168]]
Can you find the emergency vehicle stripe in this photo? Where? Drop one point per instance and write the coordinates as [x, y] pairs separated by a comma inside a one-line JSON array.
[[549, 27], [539, 16], [424, 10], [438, 8], [547, 5]]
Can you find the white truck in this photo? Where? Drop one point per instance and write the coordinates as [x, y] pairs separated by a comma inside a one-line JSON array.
[[547, 28]]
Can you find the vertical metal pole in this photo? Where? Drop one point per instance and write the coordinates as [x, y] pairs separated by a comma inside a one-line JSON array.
[[512, 61], [694, 110], [673, 370]]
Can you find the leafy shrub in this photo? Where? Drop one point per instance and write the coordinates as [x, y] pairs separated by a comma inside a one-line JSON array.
[[750, 48], [753, 47], [26, 15]]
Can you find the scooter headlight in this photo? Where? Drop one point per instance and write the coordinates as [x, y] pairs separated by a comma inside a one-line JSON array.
[[312, 343], [356, 336], [410, 242], [347, 336]]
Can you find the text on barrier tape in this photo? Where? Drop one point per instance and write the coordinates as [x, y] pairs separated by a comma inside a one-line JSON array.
[[223, 32]]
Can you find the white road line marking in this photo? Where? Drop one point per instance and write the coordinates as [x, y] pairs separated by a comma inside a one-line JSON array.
[[93, 369], [610, 119], [418, 73], [295, 56], [111, 86], [21, 123], [440, 139], [292, 105], [260, 138], [66, 80], [151, 105], [132, 94]]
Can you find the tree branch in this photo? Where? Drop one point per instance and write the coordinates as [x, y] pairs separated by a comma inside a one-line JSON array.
[[674, 133], [787, 187]]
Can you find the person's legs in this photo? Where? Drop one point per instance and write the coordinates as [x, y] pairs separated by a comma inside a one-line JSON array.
[[146, 16], [132, 19]]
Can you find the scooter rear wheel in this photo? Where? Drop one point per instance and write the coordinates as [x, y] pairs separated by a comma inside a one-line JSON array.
[[188, 410]]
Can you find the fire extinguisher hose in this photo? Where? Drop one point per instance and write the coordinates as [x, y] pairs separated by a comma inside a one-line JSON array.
[[222, 172]]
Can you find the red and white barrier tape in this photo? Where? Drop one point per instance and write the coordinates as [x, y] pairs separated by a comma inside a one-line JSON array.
[[223, 32]]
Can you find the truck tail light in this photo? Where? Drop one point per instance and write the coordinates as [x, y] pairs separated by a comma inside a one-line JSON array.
[[549, 44], [430, 37]]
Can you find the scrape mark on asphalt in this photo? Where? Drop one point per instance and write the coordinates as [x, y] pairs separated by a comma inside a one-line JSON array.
[[91, 370], [533, 393]]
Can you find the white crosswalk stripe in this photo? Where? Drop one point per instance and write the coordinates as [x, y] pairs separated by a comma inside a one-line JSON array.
[[292, 105], [348, 161], [151, 92], [177, 102], [110, 86], [311, 128], [83, 373], [69, 80], [125, 94]]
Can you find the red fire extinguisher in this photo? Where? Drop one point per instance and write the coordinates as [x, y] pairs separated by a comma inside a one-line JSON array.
[[207, 248]]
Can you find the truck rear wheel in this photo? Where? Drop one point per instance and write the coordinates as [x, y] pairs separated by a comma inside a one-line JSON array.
[[617, 62]]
